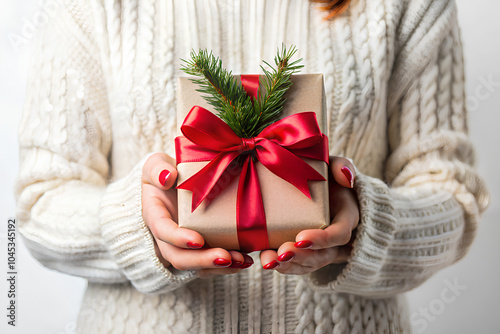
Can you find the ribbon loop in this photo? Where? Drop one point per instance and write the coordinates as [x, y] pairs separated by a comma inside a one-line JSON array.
[[207, 130]]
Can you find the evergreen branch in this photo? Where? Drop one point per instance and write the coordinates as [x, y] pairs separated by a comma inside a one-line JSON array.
[[221, 90], [247, 118], [270, 104]]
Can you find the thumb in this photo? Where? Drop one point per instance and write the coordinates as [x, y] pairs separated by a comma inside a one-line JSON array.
[[159, 170], [343, 171]]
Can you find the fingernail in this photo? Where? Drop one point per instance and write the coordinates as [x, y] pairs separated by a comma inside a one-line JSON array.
[[246, 265], [303, 244], [164, 175], [194, 245], [271, 265], [236, 264], [348, 175], [222, 262], [248, 262], [286, 256]]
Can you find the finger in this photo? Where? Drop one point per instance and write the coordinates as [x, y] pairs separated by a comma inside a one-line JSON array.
[[237, 259], [188, 259], [344, 252], [342, 171], [248, 262], [269, 259], [303, 260], [209, 273], [338, 233], [341, 198], [315, 258], [286, 252], [307, 261], [165, 263], [286, 255], [293, 269], [159, 170], [165, 229]]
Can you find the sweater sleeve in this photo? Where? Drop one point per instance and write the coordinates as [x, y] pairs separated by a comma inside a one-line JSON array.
[[424, 216], [71, 218]]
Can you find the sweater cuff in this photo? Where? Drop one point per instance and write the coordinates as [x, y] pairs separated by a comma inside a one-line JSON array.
[[374, 234], [129, 240]]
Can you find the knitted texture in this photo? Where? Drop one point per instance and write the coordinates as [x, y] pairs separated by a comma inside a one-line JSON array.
[[101, 98]]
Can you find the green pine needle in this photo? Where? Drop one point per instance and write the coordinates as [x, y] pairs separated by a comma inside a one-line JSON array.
[[270, 105], [221, 90]]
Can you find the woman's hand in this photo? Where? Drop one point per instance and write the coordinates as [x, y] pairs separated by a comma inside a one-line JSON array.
[[317, 248], [176, 246]]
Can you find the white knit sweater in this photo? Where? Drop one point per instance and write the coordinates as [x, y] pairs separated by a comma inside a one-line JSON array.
[[101, 97]]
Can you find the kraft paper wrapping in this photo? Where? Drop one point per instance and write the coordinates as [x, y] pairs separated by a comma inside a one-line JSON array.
[[288, 211]]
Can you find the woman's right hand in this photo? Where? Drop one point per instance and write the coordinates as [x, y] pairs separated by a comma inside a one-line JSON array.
[[176, 246]]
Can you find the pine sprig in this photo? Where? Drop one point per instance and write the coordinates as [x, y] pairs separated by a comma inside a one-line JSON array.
[[270, 105], [222, 91]]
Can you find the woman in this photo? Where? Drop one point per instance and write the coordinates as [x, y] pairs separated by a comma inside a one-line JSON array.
[[94, 189]]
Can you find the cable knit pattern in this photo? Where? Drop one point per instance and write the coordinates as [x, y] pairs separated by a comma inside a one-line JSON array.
[[101, 98]]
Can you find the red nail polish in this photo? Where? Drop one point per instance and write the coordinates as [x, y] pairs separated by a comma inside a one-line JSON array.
[[236, 264], [246, 265], [248, 262], [248, 258], [194, 245], [303, 244], [271, 265], [164, 175], [286, 256], [222, 262], [348, 175]]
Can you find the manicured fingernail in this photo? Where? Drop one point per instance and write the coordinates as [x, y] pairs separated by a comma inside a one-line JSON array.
[[194, 245], [164, 175], [246, 265], [236, 264], [222, 262], [348, 175], [286, 256], [271, 265], [248, 262], [303, 244]]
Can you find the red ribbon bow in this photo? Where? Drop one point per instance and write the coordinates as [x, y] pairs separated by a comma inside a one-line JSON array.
[[278, 147]]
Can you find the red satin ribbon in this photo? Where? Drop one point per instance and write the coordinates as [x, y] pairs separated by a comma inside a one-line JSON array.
[[278, 147], [250, 83]]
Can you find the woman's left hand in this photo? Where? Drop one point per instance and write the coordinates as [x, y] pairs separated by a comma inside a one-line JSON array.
[[317, 248]]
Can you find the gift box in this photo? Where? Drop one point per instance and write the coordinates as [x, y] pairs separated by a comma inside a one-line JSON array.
[[230, 217]]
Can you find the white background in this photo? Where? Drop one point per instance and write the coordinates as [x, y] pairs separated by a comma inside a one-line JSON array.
[[48, 301]]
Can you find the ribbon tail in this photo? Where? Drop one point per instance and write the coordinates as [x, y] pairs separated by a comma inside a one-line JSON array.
[[207, 130], [287, 166], [203, 182], [227, 177], [250, 215]]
